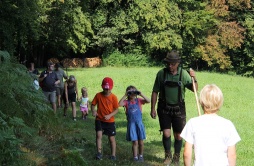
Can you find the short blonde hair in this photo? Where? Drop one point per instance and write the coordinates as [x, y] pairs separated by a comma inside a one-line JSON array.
[[211, 98]]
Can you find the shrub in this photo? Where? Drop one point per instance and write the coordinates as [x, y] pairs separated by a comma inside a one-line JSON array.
[[119, 59]]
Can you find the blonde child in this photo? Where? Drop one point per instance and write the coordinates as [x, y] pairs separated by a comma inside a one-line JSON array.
[[213, 137], [135, 127], [84, 103]]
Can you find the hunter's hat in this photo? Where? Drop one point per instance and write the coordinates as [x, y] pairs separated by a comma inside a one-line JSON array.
[[172, 57]]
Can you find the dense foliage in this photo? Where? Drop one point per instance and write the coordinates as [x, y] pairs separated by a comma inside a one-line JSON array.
[[24, 116], [211, 35]]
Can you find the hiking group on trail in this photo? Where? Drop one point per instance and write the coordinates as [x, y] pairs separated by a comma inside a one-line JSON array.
[[212, 137]]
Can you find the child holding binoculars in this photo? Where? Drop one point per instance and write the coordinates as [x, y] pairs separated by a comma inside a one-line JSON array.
[[135, 127]]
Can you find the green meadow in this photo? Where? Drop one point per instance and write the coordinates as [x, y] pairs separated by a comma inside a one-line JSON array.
[[77, 146]]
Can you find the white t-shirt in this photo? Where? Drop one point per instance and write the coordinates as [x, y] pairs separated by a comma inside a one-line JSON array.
[[84, 101], [211, 136]]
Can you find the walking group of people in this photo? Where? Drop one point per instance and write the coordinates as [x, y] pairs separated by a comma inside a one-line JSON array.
[[212, 137], [59, 92]]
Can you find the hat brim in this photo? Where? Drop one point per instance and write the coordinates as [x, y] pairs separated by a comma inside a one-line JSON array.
[[172, 60], [107, 87]]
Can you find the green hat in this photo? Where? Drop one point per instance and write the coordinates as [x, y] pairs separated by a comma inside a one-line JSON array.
[[172, 57]]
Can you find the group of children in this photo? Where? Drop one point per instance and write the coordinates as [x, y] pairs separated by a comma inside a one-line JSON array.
[[107, 106], [196, 133], [70, 96]]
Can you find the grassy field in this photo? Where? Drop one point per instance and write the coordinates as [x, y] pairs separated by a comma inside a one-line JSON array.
[[80, 135]]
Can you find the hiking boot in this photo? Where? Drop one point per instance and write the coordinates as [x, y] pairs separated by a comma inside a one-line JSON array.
[[176, 158], [168, 158]]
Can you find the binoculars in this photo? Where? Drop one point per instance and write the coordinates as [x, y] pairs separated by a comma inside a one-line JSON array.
[[133, 92]]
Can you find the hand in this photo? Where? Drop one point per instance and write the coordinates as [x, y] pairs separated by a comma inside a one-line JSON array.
[[153, 114], [192, 73], [107, 117], [94, 113], [45, 75]]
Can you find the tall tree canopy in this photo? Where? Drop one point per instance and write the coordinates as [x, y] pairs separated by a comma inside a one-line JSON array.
[[210, 34]]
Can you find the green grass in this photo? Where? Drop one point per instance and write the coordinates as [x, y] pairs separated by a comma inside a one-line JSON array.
[[79, 137]]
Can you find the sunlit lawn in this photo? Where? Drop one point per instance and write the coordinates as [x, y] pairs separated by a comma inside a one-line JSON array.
[[238, 107]]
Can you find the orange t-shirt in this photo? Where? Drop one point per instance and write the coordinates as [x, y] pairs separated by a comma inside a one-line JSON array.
[[105, 106]]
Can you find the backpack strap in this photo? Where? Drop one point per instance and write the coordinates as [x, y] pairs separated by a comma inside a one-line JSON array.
[[178, 84]]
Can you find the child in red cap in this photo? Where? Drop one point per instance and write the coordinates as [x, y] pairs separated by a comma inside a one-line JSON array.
[[107, 107]]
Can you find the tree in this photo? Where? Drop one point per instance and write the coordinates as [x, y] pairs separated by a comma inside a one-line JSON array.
[[129, 25], [19, 26]]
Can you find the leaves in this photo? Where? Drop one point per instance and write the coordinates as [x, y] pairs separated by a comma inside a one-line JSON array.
[[213, 53]]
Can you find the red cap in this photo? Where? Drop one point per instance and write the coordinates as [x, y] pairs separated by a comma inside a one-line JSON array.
[[107, 83]]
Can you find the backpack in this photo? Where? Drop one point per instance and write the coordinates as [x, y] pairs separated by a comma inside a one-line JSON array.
[[41, 82]]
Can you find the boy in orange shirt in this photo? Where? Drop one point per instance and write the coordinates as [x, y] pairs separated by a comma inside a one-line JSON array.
[[107, 107]]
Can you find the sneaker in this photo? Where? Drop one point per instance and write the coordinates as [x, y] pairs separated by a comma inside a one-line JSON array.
[[168, 158], [141, 159], [135, 159], [74, 119], [176, 158], [98, 156], [112, 157]]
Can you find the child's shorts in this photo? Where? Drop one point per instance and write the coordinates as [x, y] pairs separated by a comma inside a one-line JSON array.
[[107, 128], [83, 109]]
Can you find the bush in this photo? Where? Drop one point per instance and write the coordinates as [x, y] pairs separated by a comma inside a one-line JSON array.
[[134, 59], [23, 111]]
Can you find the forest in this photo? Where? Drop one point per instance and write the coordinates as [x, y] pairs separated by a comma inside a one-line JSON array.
[[215, 35]]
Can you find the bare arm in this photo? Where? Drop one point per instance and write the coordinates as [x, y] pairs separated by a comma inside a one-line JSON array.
[[232, 155], [87, 106], [76, 88], [94, 113], [153, 104], [107, 117], [193, 75], [147, 100], [121, 102], [57, 82], [187, 154], [66, 93]]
